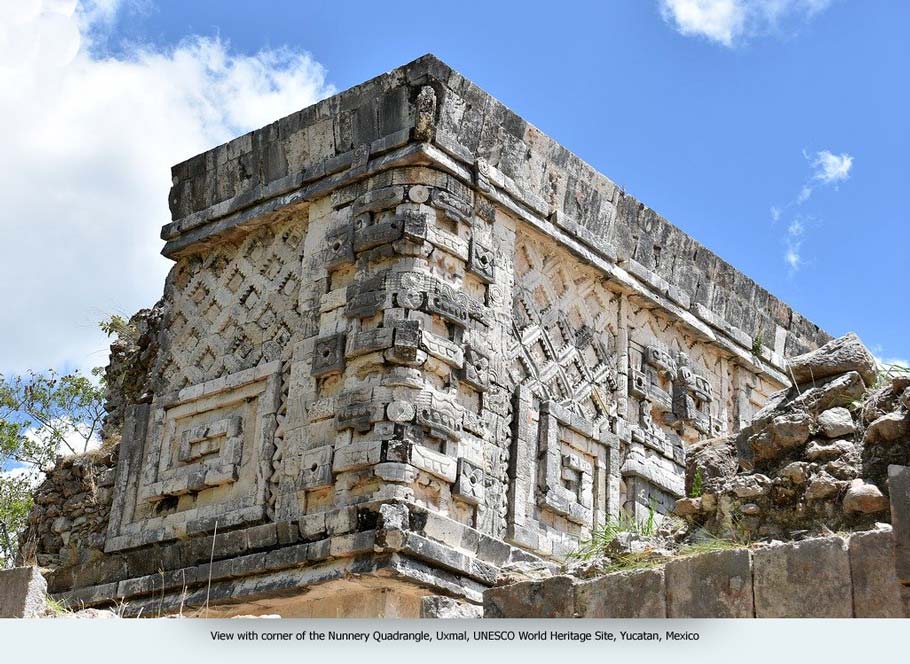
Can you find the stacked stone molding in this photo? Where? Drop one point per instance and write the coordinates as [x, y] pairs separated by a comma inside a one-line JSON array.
[[408, 339]]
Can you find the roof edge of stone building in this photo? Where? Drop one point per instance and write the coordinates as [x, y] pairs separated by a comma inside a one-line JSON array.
[[366, 128]]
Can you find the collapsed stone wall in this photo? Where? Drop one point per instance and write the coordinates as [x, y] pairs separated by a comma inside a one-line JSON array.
[[128, 373], [68, 523], [815, 457]]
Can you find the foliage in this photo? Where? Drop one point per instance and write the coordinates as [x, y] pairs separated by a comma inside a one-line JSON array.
[[42, 416], [602, 536], [758, 343], [56, 607], [888, 371], [15, 503], [711, 543], [697, 487], [115, 325]]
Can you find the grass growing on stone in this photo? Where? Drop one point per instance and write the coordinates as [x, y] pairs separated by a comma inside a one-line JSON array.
[[696, 490], [888, 371], [710, 546], [603, 535], [56, 607]]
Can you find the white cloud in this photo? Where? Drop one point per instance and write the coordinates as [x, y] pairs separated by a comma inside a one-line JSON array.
[[77, 438], [829, 168], [885, 363], [89, 140], [718, 20], [792, 256], [795, 231], [729, 22], [796, 228], [26, 472]]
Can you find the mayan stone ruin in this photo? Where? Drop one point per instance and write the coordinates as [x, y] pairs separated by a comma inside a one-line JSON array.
[[407, 341]]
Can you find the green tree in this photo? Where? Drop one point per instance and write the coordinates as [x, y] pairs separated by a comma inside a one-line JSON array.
[[42, 416]]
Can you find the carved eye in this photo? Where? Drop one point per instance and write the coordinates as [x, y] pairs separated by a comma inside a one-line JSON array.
[[337, 245], [484, 260], [326, 352], [314, 467]]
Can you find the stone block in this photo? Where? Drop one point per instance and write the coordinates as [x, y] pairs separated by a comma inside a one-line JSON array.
[[899, 488], [638, 594], [438, 606], [23, 593], [876, 591], [838, 356], [711, 585], [550, 598], [808, 579]]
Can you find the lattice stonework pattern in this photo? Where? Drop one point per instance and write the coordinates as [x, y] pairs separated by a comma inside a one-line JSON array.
[[565, 332], [231, 319], [232, 306]]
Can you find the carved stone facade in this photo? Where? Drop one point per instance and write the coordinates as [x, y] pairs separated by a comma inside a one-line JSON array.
[[390, 351]]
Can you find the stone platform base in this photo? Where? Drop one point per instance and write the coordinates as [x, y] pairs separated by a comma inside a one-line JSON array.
[[376, 560], [829, 577]]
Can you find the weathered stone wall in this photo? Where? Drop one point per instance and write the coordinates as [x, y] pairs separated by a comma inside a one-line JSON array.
[[468, 124], [68, 524], [831, 577], [407, 295], [23, 593]]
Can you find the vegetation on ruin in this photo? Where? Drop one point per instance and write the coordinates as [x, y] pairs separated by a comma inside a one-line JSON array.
[[697, 487], [887, 372], [661, 549], [758, 342], [42, 416], [614, 527]]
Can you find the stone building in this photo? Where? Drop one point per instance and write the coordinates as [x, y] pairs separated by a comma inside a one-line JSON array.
[[409, 339]]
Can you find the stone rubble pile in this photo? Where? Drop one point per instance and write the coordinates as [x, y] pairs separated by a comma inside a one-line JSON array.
[[133, 354], [69, 520], [813, 460]]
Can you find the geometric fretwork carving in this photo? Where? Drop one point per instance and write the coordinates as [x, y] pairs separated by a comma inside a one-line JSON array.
[[217, 436], [669, 386], [566, 470], [231, 308], [566, 349], [565, 476]]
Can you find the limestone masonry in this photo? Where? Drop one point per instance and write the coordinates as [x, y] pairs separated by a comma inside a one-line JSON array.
[[407, 341]]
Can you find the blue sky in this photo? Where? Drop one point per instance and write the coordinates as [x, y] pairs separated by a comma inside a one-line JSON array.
[[774, 132]]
